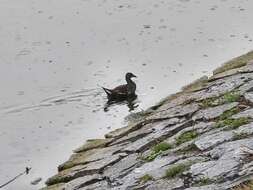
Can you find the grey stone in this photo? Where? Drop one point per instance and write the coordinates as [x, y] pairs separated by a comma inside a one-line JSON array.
[[122, 168], [228, 161], [166, 184], [210, 140], [93, 155], [221, 86], [156, 169], [83, 170], [213, 112], [100, 185], [93, 143], [161, 131], [245, 113], [206, 187], [144, 131], [249, 96], [246, 87], [245, 129], [245, 69], [178, 111], [82, 181], [231, 148]]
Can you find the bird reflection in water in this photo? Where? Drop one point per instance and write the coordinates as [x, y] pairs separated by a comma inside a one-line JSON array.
[[130, 102]]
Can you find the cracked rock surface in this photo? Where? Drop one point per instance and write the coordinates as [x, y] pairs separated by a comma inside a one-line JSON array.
[[199, 139]]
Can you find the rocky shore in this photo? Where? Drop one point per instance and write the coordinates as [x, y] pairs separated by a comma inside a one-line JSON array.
[[198, 139]]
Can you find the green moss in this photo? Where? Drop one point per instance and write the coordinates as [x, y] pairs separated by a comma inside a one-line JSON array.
[[203, 181], [235, 63], [157, 150], [152, 156], [187, 136], [146, 178], [177, 170], [209, 102], [238, 136], [231, 97], [232, 123], [162, 147], [225, 98], [227, 114]]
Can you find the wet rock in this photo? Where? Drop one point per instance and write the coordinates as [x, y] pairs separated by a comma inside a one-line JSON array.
[[122, 168], [133, 136], [206, 187], [246, 87], [93, 143], [245, 69], [124, 130], [100, 185], [229, 158], [178, 111], [213, 112], [83, 181], [95, 155], [155, 169], [86, 169], [161, 131], [166, 184], [221, 86]]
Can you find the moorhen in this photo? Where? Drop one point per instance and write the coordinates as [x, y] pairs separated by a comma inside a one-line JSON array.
[[123, 91]]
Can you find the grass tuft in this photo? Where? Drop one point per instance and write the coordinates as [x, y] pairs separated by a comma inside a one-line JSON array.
[[157, 150], [228, 97], [231, 97], [238, 136], [177, 170], [146, 178], [232, 123], [185, 137], [203, 181], [227, 114]]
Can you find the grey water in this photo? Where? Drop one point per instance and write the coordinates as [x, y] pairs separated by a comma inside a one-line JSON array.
[[56, 54]]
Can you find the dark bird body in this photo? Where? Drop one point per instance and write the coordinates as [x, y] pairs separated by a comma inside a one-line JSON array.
[[123, 91]]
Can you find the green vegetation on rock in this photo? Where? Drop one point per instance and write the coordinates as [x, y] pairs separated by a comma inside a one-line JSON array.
[[146, 178], [203, 181], [157, 150], [238, 136], [186, 136], [227, 114], [228, 97], [176, 170], [231, 97], [232, 123]]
